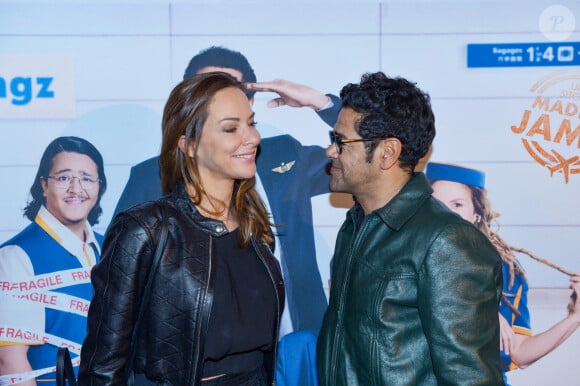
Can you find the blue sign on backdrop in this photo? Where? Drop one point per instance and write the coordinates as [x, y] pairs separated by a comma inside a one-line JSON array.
[[523, 54]]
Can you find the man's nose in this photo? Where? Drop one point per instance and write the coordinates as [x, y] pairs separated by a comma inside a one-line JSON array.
[[331, 151], [75, 185]]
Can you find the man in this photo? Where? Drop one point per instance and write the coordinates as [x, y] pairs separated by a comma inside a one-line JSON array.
[[415, 288], [45, 284], [288, 175]]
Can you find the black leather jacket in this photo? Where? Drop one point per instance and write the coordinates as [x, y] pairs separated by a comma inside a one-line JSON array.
[[170, 344]]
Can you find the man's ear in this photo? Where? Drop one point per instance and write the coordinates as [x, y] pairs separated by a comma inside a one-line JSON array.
[[186, 149], [44, 185], [389, 151]]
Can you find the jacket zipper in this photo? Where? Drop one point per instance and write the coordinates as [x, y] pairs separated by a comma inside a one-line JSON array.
[[204, 313], [277, 326], [355, 243]]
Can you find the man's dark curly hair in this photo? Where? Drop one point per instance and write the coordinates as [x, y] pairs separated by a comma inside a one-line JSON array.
[[392, 107]]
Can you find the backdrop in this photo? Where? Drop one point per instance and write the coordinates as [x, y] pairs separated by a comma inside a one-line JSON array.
[[504, 78]]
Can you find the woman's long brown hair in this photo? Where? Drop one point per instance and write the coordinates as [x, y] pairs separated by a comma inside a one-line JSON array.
[[185, 114], [488, 217]]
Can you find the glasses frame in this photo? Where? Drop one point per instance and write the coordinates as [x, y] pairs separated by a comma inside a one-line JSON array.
[[338, 142], [96, 181]]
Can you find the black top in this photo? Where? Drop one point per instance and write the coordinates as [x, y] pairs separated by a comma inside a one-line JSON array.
[[243, 313]]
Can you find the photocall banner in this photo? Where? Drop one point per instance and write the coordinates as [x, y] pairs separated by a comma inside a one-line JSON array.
[[37, 87]]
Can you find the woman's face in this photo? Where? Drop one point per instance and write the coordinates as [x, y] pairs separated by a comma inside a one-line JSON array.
[[456, 197], [229, 140]]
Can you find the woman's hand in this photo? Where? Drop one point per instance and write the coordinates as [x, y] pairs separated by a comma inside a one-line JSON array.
[[574, 304], [506, 335]]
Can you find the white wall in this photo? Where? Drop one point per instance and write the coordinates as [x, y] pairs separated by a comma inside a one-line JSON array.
[[128, 55], [548, 306]]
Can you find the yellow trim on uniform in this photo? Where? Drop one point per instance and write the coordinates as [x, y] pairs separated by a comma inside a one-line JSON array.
[[521, 330], [7, 343], [89, 262], [517, 300], [47, 229], [517, 329]]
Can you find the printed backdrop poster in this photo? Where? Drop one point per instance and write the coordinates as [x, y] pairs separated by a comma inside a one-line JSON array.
[[73, 69]]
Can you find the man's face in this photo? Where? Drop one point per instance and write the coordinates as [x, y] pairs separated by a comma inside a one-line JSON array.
[[71, 203], [349, 171]]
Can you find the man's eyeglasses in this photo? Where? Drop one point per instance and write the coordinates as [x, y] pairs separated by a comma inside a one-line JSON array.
[[338, 142], [65, 181]]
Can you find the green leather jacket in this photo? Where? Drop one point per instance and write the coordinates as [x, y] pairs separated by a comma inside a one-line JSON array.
[[414, 298]]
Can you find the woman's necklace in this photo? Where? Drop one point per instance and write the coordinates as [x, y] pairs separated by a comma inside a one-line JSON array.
[[223, 216]]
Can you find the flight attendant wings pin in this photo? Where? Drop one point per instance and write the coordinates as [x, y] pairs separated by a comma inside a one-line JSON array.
[[284, 167]]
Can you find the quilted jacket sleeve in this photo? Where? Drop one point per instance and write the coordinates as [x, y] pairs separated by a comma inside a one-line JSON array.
[[117, 281]]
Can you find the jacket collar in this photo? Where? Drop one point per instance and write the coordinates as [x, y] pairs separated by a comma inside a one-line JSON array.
[[185, 205], [404, 205]]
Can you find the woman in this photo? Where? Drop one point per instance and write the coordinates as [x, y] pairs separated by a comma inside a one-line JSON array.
[[463, 191], [57, 251], [218, 292]]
